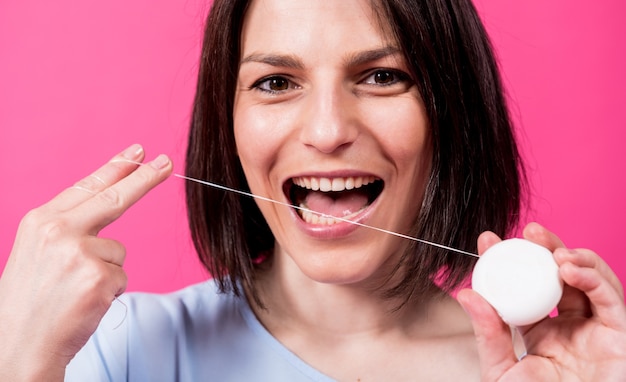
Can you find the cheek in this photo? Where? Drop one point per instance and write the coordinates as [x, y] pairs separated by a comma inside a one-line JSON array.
[[403, 132], [252, 138], [260, 134]]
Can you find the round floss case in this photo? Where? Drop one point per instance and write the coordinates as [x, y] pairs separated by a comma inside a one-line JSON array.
[[520, 279]]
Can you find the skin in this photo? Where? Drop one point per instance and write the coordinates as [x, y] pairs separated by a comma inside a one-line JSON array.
[[61, 277]]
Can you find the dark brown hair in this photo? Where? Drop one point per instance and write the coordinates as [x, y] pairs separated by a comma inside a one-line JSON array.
[[476, 179]]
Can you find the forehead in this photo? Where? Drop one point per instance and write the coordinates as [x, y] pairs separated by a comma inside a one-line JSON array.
[[312, 25]]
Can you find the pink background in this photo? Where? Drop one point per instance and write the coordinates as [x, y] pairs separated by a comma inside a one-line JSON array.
[[80, 81]]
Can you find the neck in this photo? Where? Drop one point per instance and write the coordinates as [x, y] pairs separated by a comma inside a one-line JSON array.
[[327, 323], [299, 306]]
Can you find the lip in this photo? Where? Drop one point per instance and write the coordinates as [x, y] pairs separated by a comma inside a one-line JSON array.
[[339, 229]]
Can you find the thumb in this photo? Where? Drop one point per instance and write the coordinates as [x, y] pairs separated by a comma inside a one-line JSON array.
[[493, 337]]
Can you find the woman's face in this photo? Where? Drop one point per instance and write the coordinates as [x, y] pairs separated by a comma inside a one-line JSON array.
[[327, 117]]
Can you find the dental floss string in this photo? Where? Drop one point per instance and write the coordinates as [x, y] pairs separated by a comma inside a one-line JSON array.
[[218, 186], [125, 313], [224, 188]]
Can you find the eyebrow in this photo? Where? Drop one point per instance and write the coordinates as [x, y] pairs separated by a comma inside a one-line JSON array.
[[364, 57], [286, 61], [293, 62]]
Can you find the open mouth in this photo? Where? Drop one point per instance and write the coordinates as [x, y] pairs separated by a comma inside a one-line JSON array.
[[332, 198]]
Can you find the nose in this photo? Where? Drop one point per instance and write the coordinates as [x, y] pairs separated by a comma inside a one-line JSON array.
[[329, 121]]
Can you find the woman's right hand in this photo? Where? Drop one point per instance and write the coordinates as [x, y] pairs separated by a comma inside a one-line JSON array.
[[61, 278]]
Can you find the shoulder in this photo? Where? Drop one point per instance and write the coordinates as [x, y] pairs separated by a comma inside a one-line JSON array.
[[196, 307], [174, 331], [199, 297]]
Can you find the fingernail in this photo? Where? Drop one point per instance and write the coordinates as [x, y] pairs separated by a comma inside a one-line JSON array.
[[160, 162], [133, 152]]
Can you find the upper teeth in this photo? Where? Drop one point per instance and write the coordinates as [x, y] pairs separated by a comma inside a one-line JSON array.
[[332, 184]]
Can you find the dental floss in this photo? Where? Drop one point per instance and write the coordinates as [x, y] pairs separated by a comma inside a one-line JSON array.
[[219, 186], [125, 313], [520, 279], [324, 215], [249, 194]]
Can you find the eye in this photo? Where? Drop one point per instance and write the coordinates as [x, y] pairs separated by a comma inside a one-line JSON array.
[[274, 84], [385, 77]]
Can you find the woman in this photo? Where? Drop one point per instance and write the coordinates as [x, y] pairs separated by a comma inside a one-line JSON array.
[[377, 112]]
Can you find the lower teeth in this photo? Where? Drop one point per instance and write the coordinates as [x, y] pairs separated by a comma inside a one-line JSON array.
[[318, 218]]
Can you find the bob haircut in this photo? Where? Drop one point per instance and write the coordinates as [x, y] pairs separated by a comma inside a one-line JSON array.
[[476, 178]]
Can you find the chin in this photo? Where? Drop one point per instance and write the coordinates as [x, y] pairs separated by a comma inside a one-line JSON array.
[[336, 267]]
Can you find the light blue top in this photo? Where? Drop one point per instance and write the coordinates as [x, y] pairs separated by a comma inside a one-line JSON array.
[[195, 334]]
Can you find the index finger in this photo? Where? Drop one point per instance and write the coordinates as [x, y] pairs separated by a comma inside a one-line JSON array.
[[109, 204], [542, 236], [118, 167]]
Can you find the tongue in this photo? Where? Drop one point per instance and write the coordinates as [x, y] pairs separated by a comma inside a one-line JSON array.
[[340, 205]]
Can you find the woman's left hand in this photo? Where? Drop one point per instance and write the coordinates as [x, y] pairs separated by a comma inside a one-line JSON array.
[[585, 342]]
